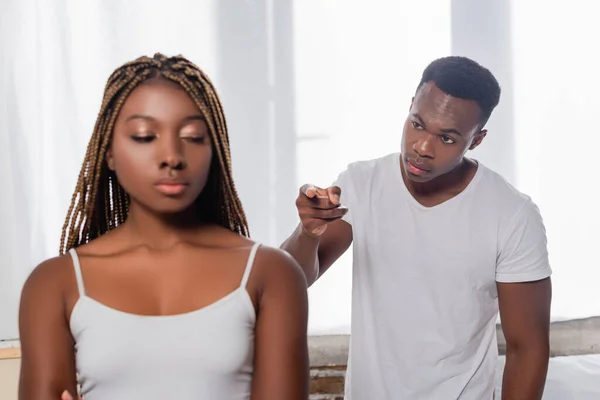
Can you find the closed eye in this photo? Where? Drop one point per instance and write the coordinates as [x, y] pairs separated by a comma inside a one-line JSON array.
[[195, 139], [143, 138]]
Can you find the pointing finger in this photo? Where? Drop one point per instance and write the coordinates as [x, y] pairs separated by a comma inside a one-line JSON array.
[[309, 190], [333, 193], [312, 191]]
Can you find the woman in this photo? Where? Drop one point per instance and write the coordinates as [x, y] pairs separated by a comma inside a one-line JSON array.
[[158, 292]]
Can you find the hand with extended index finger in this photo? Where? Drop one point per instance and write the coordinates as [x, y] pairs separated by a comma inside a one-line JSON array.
[[318, 207]]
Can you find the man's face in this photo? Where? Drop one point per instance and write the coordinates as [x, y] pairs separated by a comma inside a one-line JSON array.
[[438, 132]]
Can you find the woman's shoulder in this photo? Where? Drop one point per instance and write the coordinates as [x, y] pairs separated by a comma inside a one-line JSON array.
[[56, 275], [52, 269], [281, 284], [271, 264], [278, 267], [276, 258], [49, 279]]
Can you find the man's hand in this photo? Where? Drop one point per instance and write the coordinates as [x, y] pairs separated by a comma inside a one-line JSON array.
[[319, 207], [310, 246]]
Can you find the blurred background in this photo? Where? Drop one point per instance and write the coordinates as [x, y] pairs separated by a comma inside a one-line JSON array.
[[308, 86]]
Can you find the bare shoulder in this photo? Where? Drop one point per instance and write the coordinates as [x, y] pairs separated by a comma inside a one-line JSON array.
[[48, 285], [279, 266], [276, 258], [52, 275]]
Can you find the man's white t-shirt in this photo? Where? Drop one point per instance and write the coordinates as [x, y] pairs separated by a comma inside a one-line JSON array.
[[424, 299]]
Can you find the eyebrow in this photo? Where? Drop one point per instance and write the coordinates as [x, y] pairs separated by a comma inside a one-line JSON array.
[[448, 130], [197, 117]]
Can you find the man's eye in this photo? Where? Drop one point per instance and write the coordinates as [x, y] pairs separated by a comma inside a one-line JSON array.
[[447, 139]]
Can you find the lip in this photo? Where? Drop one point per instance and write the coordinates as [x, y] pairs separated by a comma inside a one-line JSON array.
[[171, 186], [413, 169]]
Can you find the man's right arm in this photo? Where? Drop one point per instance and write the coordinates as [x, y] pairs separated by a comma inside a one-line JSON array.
[[322, 236]]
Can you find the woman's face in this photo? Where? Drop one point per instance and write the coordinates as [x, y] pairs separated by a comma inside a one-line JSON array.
[[161, 148]]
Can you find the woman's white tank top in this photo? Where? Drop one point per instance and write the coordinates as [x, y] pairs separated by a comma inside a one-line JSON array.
[[203, 354]]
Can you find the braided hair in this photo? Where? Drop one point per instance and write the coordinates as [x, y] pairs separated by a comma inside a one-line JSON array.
[[100, 203]]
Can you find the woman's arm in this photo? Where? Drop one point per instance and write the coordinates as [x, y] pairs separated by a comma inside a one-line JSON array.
[[47, 348], [281, 366]]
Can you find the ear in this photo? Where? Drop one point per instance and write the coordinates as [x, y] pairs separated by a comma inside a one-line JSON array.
[[478, 139], [109, 159]]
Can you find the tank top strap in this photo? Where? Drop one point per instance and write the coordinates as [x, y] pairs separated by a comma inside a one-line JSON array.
[[78, 275], [249, 264]]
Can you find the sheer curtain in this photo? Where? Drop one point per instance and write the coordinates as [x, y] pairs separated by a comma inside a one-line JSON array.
[[308, 86], [556, 63], [56, 59], [357, 68]]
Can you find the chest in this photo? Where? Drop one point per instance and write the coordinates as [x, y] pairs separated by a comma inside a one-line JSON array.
[[449, 248], [146, 284], [114, 347]]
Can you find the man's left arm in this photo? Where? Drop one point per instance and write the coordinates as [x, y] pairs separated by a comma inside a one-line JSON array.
[[524, 297], [525, 315]]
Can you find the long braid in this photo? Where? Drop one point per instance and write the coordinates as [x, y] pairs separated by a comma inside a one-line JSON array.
[[100, 203]]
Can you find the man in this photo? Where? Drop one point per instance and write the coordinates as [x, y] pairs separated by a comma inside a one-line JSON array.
[[441, 244]]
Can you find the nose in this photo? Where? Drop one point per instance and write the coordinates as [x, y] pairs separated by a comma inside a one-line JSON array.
[[172, 156], [424, 146]]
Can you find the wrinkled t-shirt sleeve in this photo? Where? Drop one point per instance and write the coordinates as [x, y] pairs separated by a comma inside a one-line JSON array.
[[523, 252], [344, 181]]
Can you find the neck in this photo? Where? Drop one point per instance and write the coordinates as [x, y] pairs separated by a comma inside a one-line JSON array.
[[161, 231], [447, 183]]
